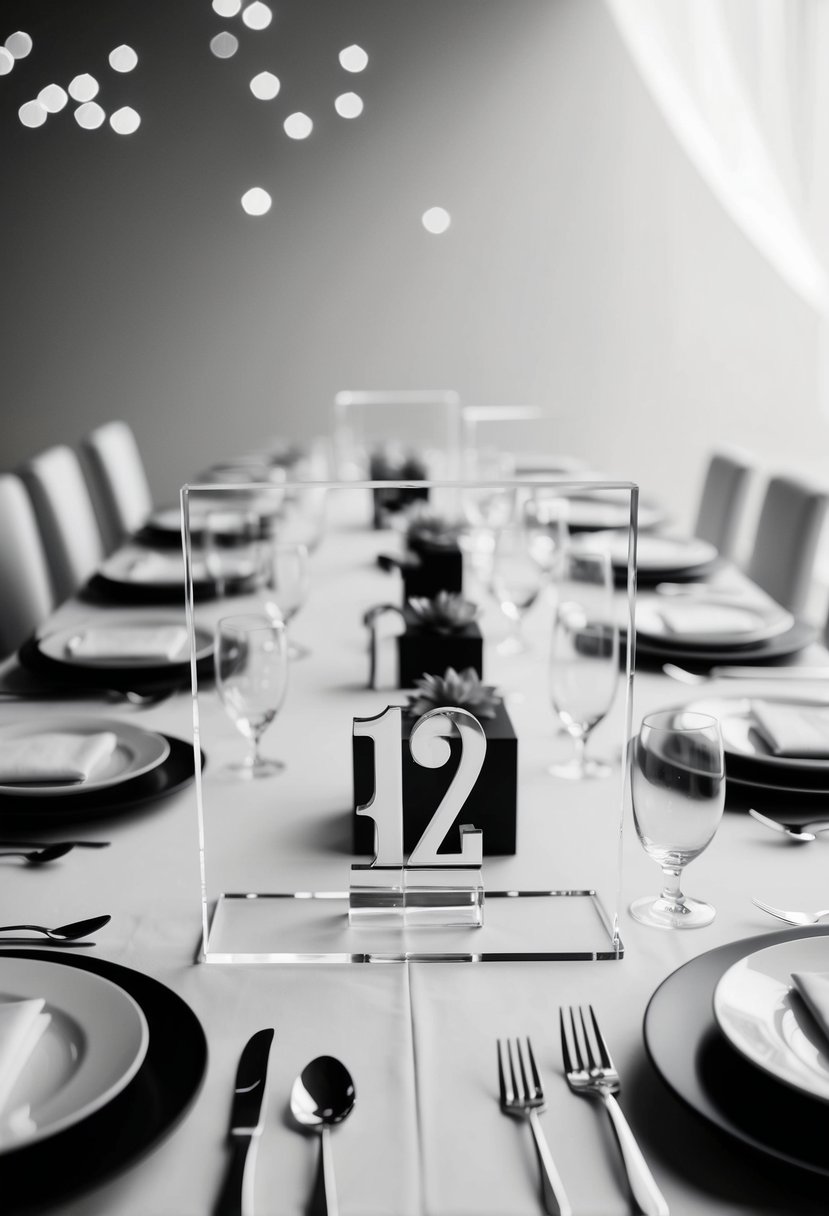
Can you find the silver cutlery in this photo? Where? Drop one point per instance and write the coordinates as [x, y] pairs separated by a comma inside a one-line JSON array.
[[39, 856], [42, 844], [322, 1095], [589, 1070], [800, 833], [141, 700], [738, 673], [63, 933], [791, 918], [522, 1095], [246, 1123]]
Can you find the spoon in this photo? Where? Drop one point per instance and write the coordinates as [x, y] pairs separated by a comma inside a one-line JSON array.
[[63, 933], [801, 833], [323, 1094], [39, 856]]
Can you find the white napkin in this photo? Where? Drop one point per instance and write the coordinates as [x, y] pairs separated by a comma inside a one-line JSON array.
[[793, 730], [155, 643], [54, 756], [21, 1025], [149, 567], [813, 986], [708, 618]]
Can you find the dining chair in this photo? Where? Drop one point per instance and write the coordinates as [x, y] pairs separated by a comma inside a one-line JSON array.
[[786, 540], [117, 480], [27, 597], [722, 499], [65, 516]]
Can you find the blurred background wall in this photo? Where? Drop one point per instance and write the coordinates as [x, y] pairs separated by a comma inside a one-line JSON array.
[[587, 268]]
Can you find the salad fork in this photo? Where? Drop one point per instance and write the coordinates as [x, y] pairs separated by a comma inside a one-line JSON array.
[[589, 1070], [524, 1098], [791, 918]]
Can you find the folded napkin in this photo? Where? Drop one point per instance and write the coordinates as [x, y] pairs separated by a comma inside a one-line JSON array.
[[153, 643], [21, 1025], [54, 756], [798, 731], [813, 986], [708, 618]]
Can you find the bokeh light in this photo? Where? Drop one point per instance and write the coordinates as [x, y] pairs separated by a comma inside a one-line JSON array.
[[256, 201], [53, 98], [123, 58], [436, 220], [18, 44], [257, 16], [32, 114], [83, 87], [265, 86], [224, 45], [353, 58], [227, 8], [125, 121], [348, 105], [6, 61], [89, 116], [298, 125]]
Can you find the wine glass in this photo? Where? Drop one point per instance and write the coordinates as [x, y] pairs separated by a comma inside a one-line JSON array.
[[678, 791], [515, 582], [584, 655], [251, 662], [286, 581], [230, 540], [545, 518]]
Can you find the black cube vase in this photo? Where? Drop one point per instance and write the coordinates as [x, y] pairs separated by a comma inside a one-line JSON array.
[[424, 650], [434, 566]]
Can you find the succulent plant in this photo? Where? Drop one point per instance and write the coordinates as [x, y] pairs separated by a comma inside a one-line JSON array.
[[448, 612], [463, 690]]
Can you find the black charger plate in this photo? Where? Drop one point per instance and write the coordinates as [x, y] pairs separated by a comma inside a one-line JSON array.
[[155, 677], [696, 1062], [144, 1113], [782, 645], [176, 772], [103, 589]]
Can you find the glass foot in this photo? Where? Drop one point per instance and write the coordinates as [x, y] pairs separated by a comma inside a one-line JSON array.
[[690, 914], [248, 770], [581, 770], [513, 645]]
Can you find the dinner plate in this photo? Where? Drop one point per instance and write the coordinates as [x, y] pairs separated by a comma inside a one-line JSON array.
[[98, 1147], [745, 746], [765, 1019], [711, 622], [662, 650], [661, 554], [596, 513], [136, 751], [699, 1065], [95, 1042]]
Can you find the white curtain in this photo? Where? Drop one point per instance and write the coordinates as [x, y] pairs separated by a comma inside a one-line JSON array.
[[744, 85]]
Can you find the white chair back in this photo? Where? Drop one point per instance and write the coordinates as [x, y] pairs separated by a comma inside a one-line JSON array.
[[788, 531], [722, 499], [117, 481], [65, 516], [26, 597]]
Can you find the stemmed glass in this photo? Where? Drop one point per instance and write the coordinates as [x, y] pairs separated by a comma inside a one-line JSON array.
[[230, 540], [251, 662], [584, 655], [678, 792], [515, 581], [286, 582]]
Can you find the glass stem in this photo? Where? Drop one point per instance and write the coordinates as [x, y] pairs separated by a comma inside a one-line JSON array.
[[579, 745], [671, 894]]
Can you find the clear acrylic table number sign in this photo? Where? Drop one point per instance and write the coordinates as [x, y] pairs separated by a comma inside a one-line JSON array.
[[430, 888]]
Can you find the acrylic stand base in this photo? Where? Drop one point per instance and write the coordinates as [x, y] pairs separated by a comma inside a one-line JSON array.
[[314, 927], [416, 897]]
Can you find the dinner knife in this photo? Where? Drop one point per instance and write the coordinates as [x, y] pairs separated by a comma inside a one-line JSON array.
[[246, 1122], [770, 673]]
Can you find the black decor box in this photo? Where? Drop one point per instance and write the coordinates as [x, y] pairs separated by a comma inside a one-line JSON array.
[[492, 806], [438, 567], [385, 466], [423, 650]]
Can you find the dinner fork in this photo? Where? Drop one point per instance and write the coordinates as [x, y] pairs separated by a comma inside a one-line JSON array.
[[791, 918], [524, 1098], [589, 1070]]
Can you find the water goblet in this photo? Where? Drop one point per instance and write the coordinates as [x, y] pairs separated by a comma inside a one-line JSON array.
[[230, 540], [677, 777], [251, 663], [584, 655], [286, 581], [515, 582]]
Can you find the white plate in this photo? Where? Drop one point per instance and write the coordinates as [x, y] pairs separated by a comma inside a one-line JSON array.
[[136, 751], [93, 1046], [165, 567], [655, 554], [597, 512], [57, 646], [710, 622], [741, 737], [754, 1009]]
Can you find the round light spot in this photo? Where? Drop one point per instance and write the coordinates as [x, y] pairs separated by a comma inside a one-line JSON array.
[[32, 114], [298, 125], [265, 86], [125, 121], [227, 8], [53, 98], [256, 201], [89, 115], [123, 58], [83, 87], [353, 58], [349, 105], [224, 45], [18, 45], [6, 61], [436, 220], [257, 16]]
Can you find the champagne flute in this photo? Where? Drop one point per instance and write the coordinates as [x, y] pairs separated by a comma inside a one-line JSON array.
[[584, 655], [678, 793], [286, 582], [515, 582], [251, 662]]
